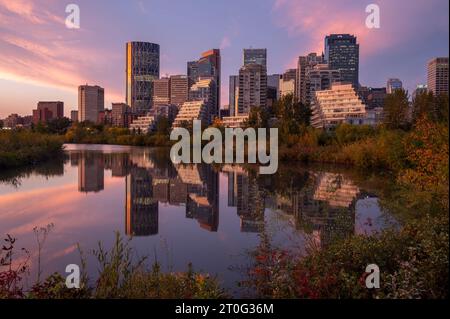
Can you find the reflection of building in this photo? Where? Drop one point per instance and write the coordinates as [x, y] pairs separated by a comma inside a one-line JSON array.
[[327, 207], [91, 172], [249, 203], [203, 199], [141, 209]]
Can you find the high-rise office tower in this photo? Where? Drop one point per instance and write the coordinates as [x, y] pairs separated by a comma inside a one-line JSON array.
[[178, 89], [305, 63], [255, 56], [438, 75], [252, 87], [233, 94], [142, 67], [91, 101], [161, 92], [342, 53], [393, 84], [208, 66]]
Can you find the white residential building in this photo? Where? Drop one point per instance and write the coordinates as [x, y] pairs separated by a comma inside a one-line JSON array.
[[190, 111], [340, 104], [237, 121], [143, 124]]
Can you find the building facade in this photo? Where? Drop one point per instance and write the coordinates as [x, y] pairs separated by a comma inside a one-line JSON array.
[[304, 64], [252, 88], [161, 92], [208, 66], [204, 90], [142, 68], [392, 85], [91, 101], [255, 56], [438, 75], [318, 78], [342, 53], [121, 115], [340, 104], [233, 94], [47, 111], [178, 89], [190, 111]]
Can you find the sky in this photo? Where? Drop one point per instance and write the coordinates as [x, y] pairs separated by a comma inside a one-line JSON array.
[[41, 59]]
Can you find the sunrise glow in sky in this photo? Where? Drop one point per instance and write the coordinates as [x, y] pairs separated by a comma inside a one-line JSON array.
[[40, 59]]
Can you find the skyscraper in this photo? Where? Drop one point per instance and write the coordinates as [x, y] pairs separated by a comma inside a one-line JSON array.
[[252, 87], [438, 75], [91, 101], [142, 67], [255, 56], [178, 89], [392, 85], [233, 94], [305, 63], [342, 53], [208, 66], [161, 91]]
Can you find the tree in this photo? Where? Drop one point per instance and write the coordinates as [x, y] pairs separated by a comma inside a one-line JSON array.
[[59, 126], [293, 116], [162, 125], [396, 110]]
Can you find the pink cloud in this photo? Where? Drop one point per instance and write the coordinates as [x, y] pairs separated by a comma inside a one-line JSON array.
[[313, 20], [43, 52]]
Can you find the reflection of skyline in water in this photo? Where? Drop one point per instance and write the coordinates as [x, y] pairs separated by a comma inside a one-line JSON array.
[[323, 203], [207, 215]]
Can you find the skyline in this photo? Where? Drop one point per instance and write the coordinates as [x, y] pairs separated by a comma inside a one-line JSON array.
[[52, 61]]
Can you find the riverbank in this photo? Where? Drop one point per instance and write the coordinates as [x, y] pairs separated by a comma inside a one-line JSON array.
[[23, 147]]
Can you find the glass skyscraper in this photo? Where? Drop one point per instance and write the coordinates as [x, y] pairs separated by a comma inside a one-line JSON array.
[[142, 67], [255, 56], [342, 53]]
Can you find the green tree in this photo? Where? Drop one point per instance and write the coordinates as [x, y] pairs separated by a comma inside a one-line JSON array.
[[163, 125], [396, 110], [59, 126]]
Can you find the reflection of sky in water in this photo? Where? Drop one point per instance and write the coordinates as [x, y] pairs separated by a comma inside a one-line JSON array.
[[183, 214]]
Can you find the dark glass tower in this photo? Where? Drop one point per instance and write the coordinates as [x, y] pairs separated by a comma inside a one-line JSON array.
[[342, 53], [142, 67]]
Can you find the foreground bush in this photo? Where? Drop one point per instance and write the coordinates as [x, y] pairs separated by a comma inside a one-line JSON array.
[[120, 276], [413, 263]]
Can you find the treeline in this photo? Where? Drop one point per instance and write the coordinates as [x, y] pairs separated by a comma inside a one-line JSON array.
[[89, 133], [25, 147]]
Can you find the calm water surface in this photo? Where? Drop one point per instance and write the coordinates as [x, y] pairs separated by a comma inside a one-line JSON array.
[[177, 214]]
